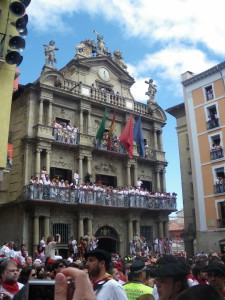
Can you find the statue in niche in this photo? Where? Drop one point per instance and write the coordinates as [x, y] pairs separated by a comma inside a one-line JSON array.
[[50, 54]]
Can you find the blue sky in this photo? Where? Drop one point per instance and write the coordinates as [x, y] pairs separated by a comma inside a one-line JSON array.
[[159, 39]]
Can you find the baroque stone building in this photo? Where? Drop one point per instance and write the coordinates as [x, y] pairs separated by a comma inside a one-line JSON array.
[[78, 94]]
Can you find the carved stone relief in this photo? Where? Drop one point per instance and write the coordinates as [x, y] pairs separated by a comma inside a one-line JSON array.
[[117, 226], [105, 167], [63, 113]]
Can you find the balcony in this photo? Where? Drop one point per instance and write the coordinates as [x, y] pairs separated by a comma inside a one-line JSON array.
[[100, 96], [219, 188], [213, 123], [86, 197], [221, 223], [43, 131], [216, 153], [115, 146]]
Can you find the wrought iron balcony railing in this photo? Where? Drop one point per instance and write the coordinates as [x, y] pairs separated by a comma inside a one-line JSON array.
[[216, 153], [114, 145], [214, 123], [219, 188], [102, 198]]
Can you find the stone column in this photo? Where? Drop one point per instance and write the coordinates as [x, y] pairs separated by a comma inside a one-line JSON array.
[[166, 229], [89, 121], [135, 175], [137, 227], [164, 180], [50, 114], [89, 226], [130, 230], [81, 121], [158, 188], [48, 153], [40, 119], [80, 228], [36, 236], [128, 175], [46, 227], [26, 162], [161, 234], [155, 140], [81, 169], [160, 140], [89, 165], [38, 163]]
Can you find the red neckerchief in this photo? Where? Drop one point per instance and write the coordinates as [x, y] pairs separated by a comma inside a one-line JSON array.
[[122, 278], [11, 288], [106, 277], [223, 293], [202, 281]]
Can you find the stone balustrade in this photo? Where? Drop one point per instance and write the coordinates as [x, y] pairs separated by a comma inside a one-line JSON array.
[[77, 196]]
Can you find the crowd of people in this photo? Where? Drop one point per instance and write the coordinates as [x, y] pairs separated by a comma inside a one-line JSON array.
[[108, 276], [97, 193], [68, 134], [65, 133], [88, 192]]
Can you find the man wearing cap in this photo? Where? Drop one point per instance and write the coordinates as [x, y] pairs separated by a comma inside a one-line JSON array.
[[171, 280], [137, 288], [216, 276], [106, 288]]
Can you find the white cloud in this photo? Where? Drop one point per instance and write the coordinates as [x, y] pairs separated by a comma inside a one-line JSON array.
[[156, 21], [179, 27], [168, 64]]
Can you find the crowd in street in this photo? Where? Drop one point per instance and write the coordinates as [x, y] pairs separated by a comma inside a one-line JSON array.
[[108, 276]]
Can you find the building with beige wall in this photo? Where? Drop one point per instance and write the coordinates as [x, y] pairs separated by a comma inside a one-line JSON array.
[[204, 107], [78, 94]]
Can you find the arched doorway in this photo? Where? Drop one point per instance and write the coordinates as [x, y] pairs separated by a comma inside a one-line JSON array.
[[108, 239]]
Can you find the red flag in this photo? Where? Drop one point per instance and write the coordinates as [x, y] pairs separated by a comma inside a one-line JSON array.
[[127, 136], [111, 129]]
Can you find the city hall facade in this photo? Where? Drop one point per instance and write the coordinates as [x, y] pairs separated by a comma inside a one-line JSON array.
[[78, 95]]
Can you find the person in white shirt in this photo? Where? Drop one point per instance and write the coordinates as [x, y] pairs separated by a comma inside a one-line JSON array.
[[9, 274], [42, 242], [76, 177], [105, 287], [139, 182]]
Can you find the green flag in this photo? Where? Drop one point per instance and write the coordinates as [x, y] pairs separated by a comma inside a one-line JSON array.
[[101, 128]]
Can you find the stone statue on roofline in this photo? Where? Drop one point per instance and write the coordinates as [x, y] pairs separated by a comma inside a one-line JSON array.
[[117, 57], [49, 49], [101, 43], [151, 90], [86, 48]]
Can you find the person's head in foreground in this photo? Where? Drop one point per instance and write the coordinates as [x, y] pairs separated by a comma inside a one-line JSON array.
[[171, 280], [200, 292], [216, 276], [98, 262]]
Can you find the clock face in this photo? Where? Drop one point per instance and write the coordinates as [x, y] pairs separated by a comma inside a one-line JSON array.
[[104, 74]]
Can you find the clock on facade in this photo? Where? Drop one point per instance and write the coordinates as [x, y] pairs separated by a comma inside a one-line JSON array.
[[103, 73]]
